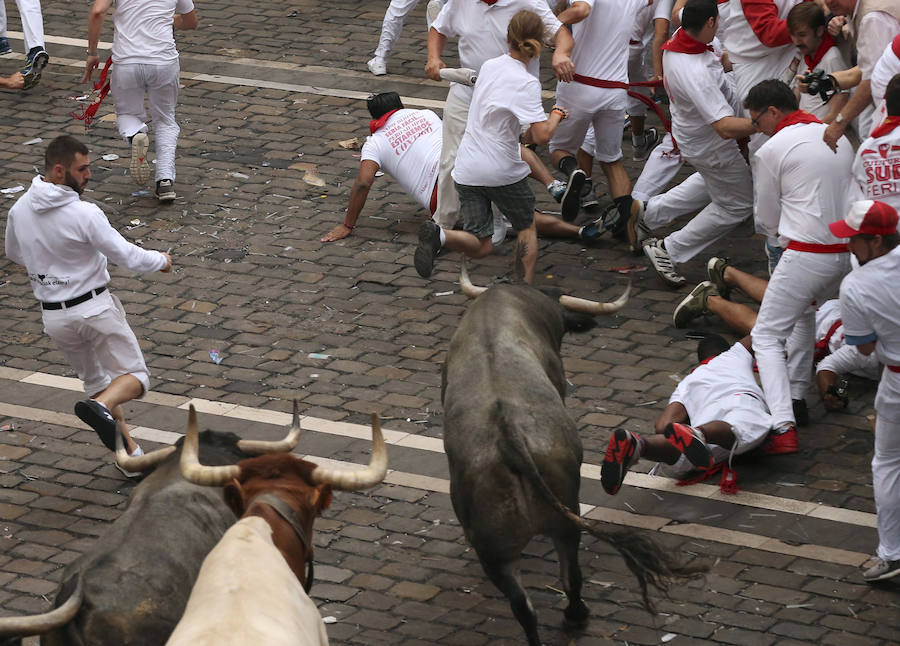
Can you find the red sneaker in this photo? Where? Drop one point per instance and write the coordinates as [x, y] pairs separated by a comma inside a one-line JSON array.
[[691, 442], [619, 454], [781, 443]]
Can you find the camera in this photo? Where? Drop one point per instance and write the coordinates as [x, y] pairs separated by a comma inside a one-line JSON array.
[[818, 82]]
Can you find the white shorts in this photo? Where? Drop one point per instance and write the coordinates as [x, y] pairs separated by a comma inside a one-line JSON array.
[[97, 342], [604, 108]]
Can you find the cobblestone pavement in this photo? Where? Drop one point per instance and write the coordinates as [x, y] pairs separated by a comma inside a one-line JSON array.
[[349, 329]]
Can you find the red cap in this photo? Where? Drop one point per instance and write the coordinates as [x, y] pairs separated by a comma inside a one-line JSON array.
[[866, 216]]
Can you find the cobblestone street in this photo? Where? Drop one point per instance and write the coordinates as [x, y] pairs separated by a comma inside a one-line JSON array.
[[349, 329]]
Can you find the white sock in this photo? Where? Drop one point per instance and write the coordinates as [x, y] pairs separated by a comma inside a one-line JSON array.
[[137, 452], [443, 238]]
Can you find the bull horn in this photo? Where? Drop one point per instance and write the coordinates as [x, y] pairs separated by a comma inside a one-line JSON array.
[[259, 447], [347, 480], [139, 463], [192, 470], [38, 624], [593, 307], [468, 288]]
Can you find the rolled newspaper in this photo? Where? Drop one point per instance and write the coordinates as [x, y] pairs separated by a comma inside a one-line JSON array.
[[461, 75]]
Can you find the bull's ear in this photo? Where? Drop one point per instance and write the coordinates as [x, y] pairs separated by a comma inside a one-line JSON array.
[[234, 497], [324, 497]]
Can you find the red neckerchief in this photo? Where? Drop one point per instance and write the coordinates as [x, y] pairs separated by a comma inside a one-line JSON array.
[[826, 44], [795, 117], [375, 124], [489, 1], [886, 126], [704, 362], [684, 43]]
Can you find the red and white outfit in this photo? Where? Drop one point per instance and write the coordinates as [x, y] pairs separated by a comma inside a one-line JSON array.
[[407, 146], [64, 243], [800, 187], [699, 95], [759, 43], [598, 95], [32, 22], [874, 34], [876, 167], [828, 58], [885, 69], [724, 388], [146, 64], [481, 30], [841, 358], [392, 25], [871, 310]]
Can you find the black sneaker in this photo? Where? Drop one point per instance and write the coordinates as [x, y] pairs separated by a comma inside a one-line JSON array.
[[571, 199], [588, 196], [691, 443], [619, 456], [37, 61], [165, 190], [429, 244], [801, 413], [99, 418]]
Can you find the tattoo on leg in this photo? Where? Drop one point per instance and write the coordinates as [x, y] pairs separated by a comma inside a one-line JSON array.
[[519, 266]]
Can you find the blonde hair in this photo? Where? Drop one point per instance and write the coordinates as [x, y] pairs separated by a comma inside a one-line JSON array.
[[525, 32]]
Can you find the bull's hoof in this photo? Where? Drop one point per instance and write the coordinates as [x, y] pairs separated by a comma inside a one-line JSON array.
[[576, 614]]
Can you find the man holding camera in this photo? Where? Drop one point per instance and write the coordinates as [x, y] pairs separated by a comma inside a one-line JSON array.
[[821, 57]]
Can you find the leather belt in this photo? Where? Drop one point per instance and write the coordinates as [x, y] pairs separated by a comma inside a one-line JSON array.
[[72, 302]]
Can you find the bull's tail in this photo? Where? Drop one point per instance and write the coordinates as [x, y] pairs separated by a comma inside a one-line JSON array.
[[649, 563]]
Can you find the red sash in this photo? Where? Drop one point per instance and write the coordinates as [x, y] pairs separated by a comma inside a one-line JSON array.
[[812, 247]]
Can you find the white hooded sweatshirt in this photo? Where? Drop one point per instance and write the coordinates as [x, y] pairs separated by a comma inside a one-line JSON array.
[[64, 243]]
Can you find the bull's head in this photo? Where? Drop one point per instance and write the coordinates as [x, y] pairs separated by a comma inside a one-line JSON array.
[[569, 302]]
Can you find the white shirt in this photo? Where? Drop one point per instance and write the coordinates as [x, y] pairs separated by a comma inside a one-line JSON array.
[[64, 243], [831, 62], [644, 21], [481, 29], [727, 374], [699, 94], [507, 99], [144, 30], [799, 185], [408, 148], [876, 169], [871, 312], [876, 31], [601, 39]]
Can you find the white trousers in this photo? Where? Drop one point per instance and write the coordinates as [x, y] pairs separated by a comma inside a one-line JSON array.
[[886, 471], [661, 168], [800, 278], [637, 71], [731, 189], [32, 22], [129, 84], [392, 25], [456, 113]]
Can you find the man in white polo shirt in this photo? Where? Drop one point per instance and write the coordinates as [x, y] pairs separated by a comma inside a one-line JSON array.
[[64, 243], [800, 187], [705, 127], [146, 66], [597, 95], [870, 307], [480, 26]]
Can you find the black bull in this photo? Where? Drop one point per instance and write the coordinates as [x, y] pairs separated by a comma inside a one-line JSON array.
[[515, 454], [137, 577]]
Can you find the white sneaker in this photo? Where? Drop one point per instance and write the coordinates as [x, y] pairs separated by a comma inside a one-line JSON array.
[[501, 226], [432, 11], [140, 168], [378, 66], [135, 454], [662, 263]]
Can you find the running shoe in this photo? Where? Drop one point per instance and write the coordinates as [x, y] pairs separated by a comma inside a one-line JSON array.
[[691, 443], [378, 66], [619, 456], [781, 442], [588, 196], [557, 189], [4, 46], [694, 304], [140, 168], [34, 67], [637, 231], [571, 199], [429, 243], [715, 269], [165, 190], [99, 418], [882, 570], [642, 150], [662, 263]]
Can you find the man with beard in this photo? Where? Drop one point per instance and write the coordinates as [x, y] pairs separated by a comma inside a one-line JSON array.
[[64, 243]]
